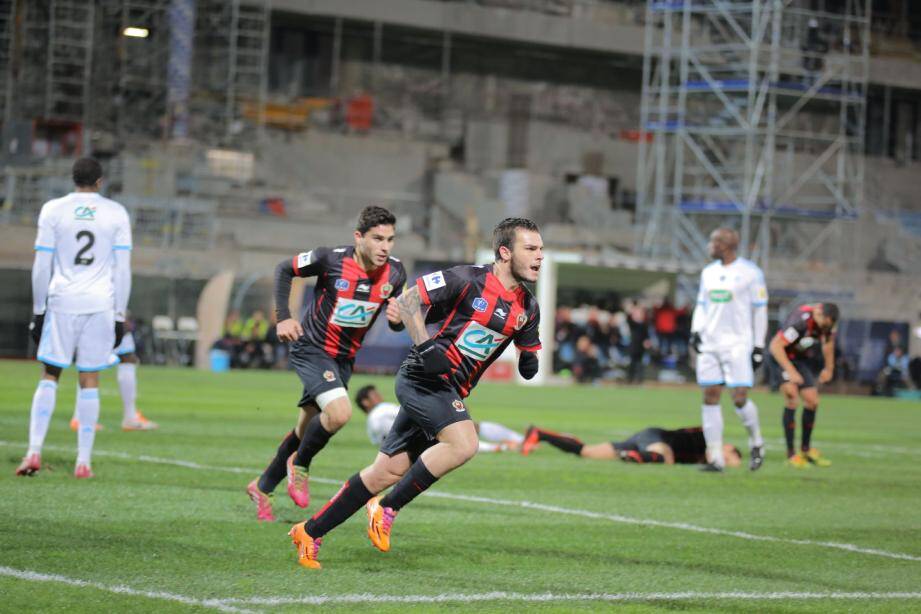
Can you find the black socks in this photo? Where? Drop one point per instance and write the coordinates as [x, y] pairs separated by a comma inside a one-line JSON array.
[[566, 443], [277, 468], [808, 421], [315, 439], [416, 481], [789, 429], [350, 498]]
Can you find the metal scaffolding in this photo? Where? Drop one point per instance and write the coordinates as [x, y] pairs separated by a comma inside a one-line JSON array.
[[753, 116]]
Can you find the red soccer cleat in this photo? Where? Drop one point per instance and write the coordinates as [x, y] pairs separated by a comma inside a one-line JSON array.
[[82, 471], [30, 465], [531, 440], [262, 500], [298, 483]]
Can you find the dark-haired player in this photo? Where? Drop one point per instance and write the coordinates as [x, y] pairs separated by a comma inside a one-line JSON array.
[[685, 446], [475, 312], [494, 437], [353, 283], [792, 351], [81, 280]]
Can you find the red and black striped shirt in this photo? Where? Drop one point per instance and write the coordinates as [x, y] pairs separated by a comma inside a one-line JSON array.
[[474, 318], [347, 299], [800, 332]]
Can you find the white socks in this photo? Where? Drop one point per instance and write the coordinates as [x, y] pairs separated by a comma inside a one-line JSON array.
[[748, 414], [128, 386], [495, 432], [87, 415], [42, 408], [713, 433]]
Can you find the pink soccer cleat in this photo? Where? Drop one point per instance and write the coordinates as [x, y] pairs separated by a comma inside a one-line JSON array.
[[30, 465], [298, 483], [82, 471], [262, 500]]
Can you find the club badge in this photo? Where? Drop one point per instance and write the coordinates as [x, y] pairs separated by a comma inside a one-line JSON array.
[[458, 405], [329, 376], [521, 321], [386, 290]]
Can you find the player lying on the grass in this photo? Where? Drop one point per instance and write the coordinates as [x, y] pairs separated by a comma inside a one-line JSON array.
[[652, 445], [728, 329], [792, 355], [81, 280], [127, 360], [494, 437], [353, 282], [477, 311]]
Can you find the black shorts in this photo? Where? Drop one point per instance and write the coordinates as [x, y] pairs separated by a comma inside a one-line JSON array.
[[640, 440], [319, 372], [426, 408], [805, 366]]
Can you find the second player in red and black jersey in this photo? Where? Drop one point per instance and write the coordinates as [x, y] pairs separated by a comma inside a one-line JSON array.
[[347, 298], [473, 318], [474, 313], [793, 355], [354, 284]]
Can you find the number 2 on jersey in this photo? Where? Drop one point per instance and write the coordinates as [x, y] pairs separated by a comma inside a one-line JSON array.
[[90, 240]]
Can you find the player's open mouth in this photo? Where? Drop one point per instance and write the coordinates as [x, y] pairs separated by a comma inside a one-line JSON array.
[[535, 268]]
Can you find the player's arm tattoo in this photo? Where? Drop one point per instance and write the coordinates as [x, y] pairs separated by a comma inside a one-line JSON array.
[[410, 304]]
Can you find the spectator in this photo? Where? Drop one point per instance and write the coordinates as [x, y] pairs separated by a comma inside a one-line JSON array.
[[895, 374], [585, 366], [639, 342], [665, 319]]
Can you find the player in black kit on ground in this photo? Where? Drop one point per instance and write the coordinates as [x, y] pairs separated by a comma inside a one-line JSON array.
[[353, 282], [475, 311], [685, 446]]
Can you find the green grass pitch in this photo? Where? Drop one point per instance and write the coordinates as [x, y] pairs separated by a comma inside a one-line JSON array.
[[147, 523]]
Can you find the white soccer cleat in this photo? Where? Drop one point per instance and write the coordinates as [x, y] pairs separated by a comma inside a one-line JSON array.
[[139, 423]]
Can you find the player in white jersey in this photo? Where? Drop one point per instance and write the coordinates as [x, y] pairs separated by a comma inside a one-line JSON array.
[[81, 279], [494, 437], [728, 332]]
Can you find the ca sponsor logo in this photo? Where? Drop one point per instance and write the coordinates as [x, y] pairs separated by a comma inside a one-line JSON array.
[[85, 213], [352, 313], [479, 342], [720, 296]]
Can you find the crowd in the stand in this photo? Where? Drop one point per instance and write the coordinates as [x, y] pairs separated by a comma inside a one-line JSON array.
[[595, 344], [252, 342]]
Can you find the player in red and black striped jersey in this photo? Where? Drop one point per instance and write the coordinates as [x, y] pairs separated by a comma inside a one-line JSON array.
[[793, 354], [685, 446], [354, 284], [475, 312]]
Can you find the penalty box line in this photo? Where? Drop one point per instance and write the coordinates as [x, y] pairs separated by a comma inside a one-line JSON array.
[[681, 526], [231, 604]]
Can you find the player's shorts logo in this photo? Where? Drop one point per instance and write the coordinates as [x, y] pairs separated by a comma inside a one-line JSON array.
[[479, 342], [458, 405], [386, 290], [480, 304], [342, 284], [720, 296], [329, 376], [352, 313], [85, 213]]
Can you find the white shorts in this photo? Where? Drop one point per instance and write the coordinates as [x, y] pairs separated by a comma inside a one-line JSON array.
[[729, 366], [88, 335], [126, 346]]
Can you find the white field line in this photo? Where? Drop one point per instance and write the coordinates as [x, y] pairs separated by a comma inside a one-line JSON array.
[[232, 604], [682, 526], [34, 576]]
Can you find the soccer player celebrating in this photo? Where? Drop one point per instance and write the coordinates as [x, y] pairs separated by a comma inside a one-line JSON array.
[[653, 445], [728, 331], [81, 280], [494, 437], [790, 351], [353, 282], [477, 311]]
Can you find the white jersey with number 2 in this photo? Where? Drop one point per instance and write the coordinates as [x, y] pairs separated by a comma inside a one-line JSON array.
[[82, 230]]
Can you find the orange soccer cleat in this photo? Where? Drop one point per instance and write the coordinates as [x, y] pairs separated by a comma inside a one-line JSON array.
[[298, 483], [307, 547], [262, 500], [814, 457], [380, 521], [797, 461], [30, 465], [531, 440], [139, 423]]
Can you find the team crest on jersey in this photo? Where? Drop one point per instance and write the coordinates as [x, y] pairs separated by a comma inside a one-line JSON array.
[[329, 376], [352, 313], [480, 304], [521, 321], [479, 342], [342, 284], [458, 405], [720, 296], [386, 290], [85, 213]]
